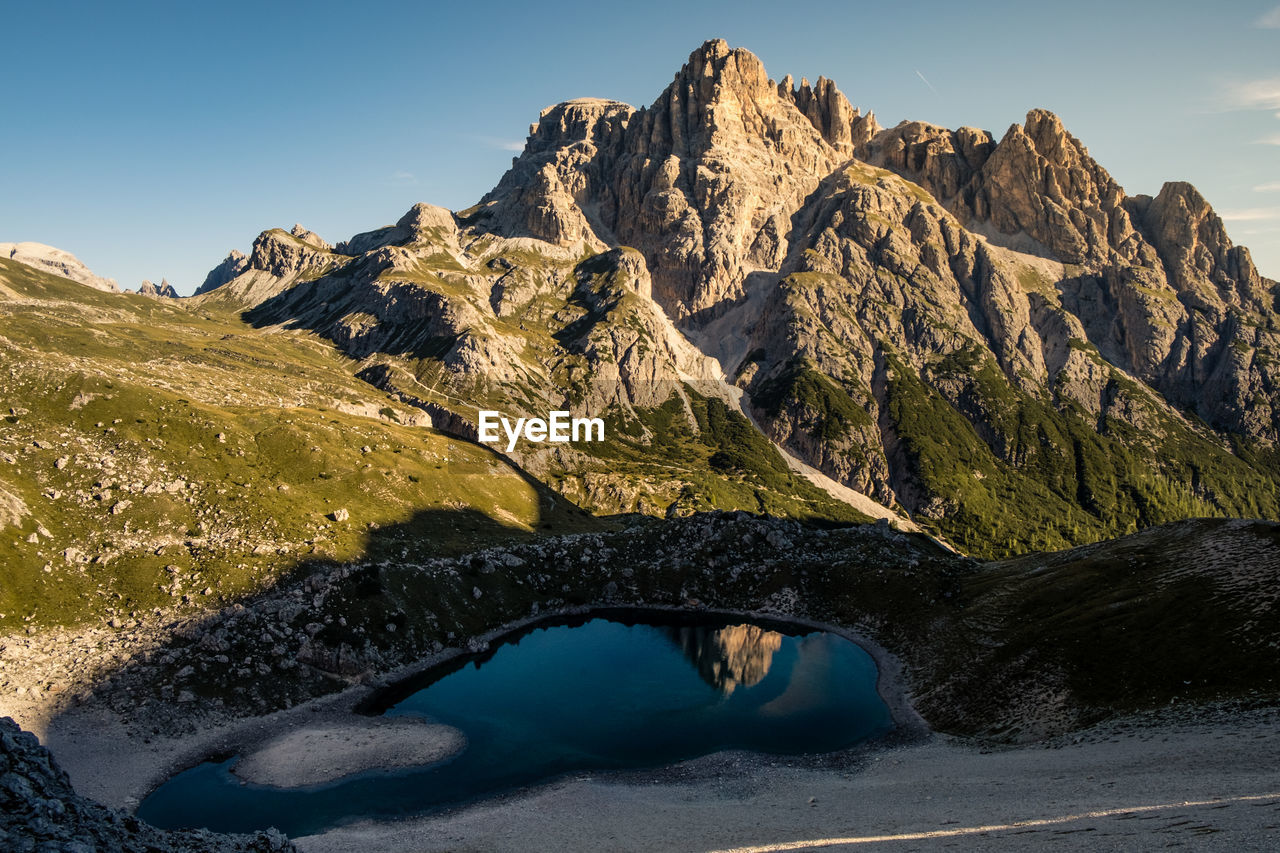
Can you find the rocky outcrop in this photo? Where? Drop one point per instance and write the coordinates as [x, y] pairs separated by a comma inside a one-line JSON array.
[[1160, 289], [841, 124], [162, 290], [1036, 190], [279, 260], [549, 192], [40, 811], [636, 355], [422, 222], [944, 161], [702, 182], [56, 261], [283, 255], [232, 265], [311, 238], [933, 317]]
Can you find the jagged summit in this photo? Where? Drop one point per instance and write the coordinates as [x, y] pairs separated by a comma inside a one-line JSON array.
[[702, 181], [163, 289], [986, 333], [231, 266]]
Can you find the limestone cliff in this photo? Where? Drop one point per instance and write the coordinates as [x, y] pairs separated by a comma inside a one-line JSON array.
[[56, 261], [990, 335]]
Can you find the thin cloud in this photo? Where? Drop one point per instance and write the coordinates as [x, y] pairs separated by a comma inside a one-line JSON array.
[[926, 82], [1273, 187], [402, 179], [1269, 20], [1251, 214], [1255, 95], [1269, 140]]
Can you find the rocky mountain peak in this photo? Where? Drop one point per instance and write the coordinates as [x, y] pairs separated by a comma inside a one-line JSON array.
[[56, 261], [280, 254], [879, 297], [831, 114], [231, 266], [1041, 182], [715, 74], [702, 182], [163, 289], [310, 237], [585, 120], [424, 217], [1193, 244]]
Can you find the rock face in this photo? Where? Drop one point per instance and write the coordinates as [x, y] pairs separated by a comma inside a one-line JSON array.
[[232, 265], [279, 260], [702, 182], [40, 811], [988, 334], [163, 289], [1159, 289], [310, 237], [730, 656], [55, 261]]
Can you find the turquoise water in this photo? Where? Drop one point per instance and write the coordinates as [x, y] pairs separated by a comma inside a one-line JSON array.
[[598, 696]]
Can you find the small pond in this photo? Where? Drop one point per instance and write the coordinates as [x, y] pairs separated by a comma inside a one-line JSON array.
[[594, 694]]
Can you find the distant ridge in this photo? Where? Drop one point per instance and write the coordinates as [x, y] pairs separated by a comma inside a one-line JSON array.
[[56, 261]]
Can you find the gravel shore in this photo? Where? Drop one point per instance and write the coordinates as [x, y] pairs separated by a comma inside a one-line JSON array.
[[1191, 775], [1138, 786]]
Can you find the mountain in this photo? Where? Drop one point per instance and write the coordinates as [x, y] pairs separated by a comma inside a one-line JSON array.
[[231, 504], [55, 261], [989, 337], [155, 456], [164, 288]]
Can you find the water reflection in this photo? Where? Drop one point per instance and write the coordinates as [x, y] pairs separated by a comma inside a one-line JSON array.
[[596, 695], [730, 656]]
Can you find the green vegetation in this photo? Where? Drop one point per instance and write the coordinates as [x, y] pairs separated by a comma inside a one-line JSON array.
[[709, 456], [1012, 472], [149, 443], [1168, 614], [828, 406]]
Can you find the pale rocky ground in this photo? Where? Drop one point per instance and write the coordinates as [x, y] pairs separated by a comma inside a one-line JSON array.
[[1132, 785], [316, 755], [57, 261], [1190, 776]]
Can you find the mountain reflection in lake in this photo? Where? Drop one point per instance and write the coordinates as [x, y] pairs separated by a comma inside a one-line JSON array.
[[729, 656], [597, 695]]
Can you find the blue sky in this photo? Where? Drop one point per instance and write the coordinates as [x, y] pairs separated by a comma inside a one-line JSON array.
[[151, 138]]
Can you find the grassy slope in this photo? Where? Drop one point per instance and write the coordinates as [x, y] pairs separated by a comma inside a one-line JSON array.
[[1019, 472], [654, 456], [189, 440], [1181, 612]]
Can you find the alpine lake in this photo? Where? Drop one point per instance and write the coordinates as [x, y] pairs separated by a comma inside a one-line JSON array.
[[594, 694]]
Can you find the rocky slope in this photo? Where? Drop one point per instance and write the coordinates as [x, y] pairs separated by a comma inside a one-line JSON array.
[[1155, 284], [988, 335], [1181, 613], [55, 261], [153, 456], [452, 320], [39, 811], [164, 288]]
